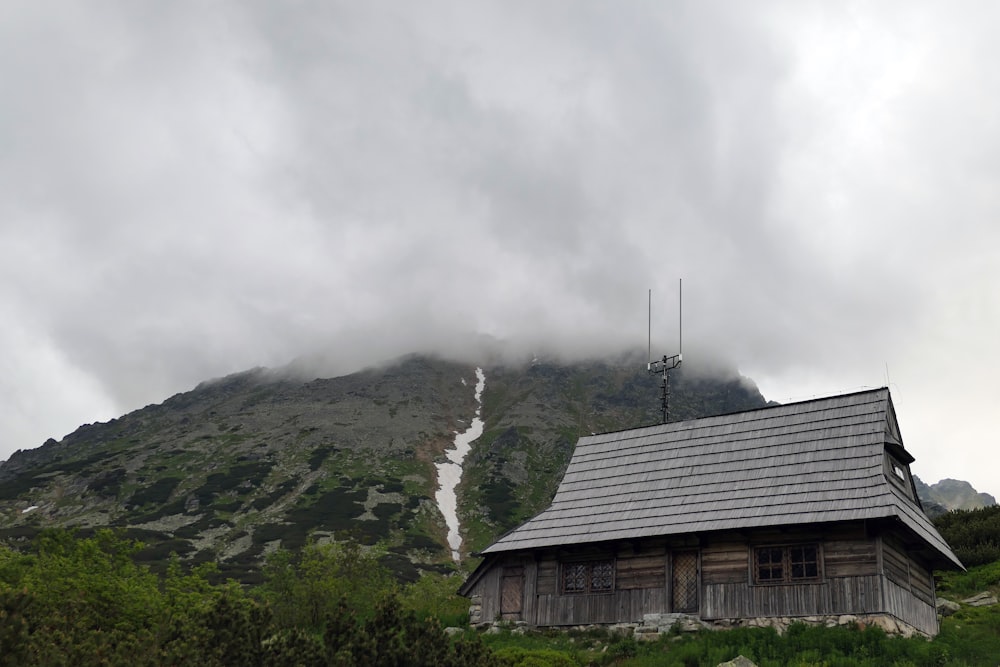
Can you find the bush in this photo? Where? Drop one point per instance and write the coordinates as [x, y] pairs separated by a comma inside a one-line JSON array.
[[434, 595], [974, 535], [303, 589], [516, 657]]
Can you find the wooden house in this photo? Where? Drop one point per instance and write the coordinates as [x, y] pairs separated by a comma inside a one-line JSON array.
[[805, 510]]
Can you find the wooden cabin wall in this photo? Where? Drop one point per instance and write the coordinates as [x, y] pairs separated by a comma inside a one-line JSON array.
[[850, 584], [862, 573], [640, 587], [900, 602], [906, 569], [618, 607], [488, 589], [909, 585]]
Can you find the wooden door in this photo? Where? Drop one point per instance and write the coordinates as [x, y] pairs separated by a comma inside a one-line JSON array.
[[685, 582], [512, 593]]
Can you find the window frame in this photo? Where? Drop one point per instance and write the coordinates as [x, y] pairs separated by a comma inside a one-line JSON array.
[[782, 561], [587, 569], [898, 473]]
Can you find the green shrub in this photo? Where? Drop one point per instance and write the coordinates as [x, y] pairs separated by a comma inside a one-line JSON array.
[[974, 535], [434, 595], [516, 657], [304, 588]]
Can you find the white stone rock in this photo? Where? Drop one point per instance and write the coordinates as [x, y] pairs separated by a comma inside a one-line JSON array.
[[947, 607], [887, 623], [739, 661], [983, 599]]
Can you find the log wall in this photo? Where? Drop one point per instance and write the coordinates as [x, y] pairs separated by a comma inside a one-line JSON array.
[[861, 573], [900, 603], [848, 585], [640, 586], [909, 587]]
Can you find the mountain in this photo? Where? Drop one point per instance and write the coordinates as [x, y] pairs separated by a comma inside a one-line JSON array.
[[245, 464], [950, 494]]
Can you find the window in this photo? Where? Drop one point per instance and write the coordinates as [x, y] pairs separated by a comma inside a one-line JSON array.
[[596, 576], [787, 564], [897, 472]]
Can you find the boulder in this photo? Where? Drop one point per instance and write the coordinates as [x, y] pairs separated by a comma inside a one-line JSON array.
[[739, 661], [984, 599], [947, 607]]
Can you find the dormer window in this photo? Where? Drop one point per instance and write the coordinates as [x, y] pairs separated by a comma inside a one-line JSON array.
[[898, 473]]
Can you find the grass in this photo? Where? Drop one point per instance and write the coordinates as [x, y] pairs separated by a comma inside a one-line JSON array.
[[968, 641], [958, 585]]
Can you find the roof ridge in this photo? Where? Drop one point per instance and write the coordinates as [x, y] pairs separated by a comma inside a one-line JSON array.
[[763, 408]]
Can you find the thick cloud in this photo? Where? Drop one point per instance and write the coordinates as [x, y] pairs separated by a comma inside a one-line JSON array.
[[188, 190]]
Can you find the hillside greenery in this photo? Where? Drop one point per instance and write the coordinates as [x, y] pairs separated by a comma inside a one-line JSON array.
[[974, 535], [267, 520], [71, 600], [85, 601], [239, 466]]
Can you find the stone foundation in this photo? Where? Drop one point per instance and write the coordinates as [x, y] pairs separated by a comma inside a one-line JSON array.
[[475, 610], [653, 626], [889, 624]]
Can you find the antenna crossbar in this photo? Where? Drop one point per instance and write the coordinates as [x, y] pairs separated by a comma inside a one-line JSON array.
[[663, 366]]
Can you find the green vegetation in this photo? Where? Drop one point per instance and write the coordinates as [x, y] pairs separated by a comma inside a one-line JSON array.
[[85, 600], [223, 471], [974, 535]]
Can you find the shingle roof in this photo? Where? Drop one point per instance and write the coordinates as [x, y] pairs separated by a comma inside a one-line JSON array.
[[810, 462]]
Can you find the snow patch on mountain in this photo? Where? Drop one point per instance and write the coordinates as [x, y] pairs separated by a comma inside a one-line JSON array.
[[450, 472]]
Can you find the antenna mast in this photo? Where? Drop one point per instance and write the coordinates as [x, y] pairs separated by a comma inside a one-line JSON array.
[[667, 364]]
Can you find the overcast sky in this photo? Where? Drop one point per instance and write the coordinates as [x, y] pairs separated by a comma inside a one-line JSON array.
[[193, 189]]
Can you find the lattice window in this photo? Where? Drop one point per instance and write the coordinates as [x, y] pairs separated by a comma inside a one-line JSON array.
[[575, 577], [788, 564], [588, 577], [602, 576], [685, 582]]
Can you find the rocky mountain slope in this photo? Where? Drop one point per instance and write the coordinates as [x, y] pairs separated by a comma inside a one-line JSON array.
[[950, 494], [239, 466]]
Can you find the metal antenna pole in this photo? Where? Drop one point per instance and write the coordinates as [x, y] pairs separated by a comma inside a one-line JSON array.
[[663, 367], [649, 329]]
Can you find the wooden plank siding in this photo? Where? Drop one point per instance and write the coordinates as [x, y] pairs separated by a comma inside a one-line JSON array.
[[845, 595], [922, 583], [901, 603], [895, 561], [861, 572], [548, 575], [907, 572], [640, 576], [849, 582], [725, 562], [640, 572], [617, 607], [488, 588]]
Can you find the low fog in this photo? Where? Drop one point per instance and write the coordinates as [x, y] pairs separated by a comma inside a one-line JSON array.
[[191, 190]]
